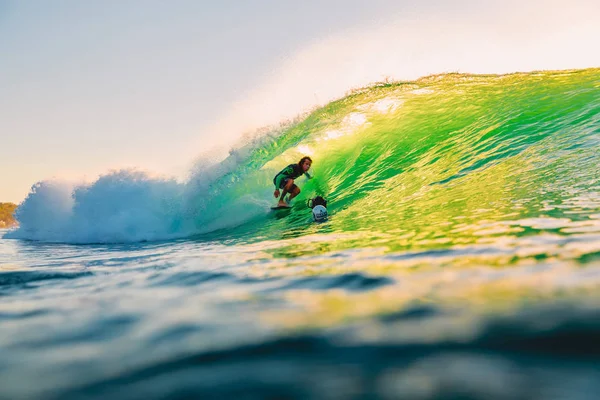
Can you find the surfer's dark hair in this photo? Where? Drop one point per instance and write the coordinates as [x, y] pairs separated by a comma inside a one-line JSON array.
[[304, 159], [317, 201]]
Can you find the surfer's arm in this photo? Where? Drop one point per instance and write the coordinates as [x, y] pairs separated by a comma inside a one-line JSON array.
[[308, 175], [283, 175], [278, 180]]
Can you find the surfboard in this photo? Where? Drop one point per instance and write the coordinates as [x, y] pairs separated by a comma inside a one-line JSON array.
[[281, 208]]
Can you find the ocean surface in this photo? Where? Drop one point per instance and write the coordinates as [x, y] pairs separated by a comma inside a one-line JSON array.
[[461, 258]]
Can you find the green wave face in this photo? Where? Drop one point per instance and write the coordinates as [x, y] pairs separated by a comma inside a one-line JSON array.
[[446, 161]]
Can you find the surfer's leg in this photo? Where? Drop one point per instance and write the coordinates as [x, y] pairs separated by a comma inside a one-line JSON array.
[[289, 185], [294, 192]]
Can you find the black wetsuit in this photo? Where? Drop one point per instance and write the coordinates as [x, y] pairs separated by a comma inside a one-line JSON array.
[[292, 171]]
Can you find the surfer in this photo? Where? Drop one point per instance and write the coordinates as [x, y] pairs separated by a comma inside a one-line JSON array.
[[285, 180]]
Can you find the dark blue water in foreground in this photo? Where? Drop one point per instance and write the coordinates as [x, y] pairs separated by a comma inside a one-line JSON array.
[[197, 319]]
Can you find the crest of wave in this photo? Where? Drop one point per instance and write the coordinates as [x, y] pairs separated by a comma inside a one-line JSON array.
[[132, 206]]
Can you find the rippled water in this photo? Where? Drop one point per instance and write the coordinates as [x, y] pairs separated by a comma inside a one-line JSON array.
[[461, 259], [209, 319]]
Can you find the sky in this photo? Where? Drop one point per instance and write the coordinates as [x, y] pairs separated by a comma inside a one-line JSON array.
[[88, 87]]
